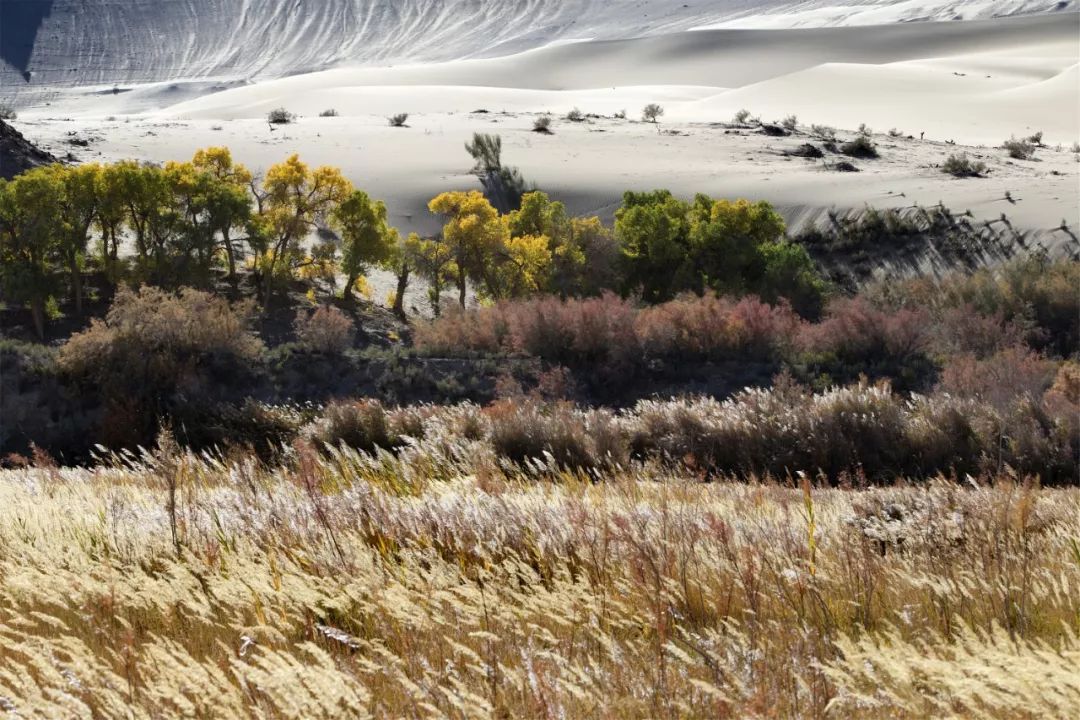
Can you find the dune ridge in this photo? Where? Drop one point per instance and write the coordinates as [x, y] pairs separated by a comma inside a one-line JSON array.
[[63, 43]]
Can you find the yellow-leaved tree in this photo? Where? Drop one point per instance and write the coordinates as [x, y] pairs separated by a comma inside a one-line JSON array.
[[475, 234], [293, 198], [228, 203]]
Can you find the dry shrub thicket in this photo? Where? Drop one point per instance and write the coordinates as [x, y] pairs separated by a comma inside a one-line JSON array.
[[437, 584], [325, 330]]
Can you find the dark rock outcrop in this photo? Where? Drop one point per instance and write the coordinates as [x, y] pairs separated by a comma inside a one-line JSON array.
[[17, 154]]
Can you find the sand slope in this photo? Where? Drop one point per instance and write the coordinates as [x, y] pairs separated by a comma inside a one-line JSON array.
[[61, 43], [976, 82]]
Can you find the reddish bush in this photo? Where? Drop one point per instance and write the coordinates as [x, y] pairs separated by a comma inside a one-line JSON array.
[[854, 330], [1000, 379], [595, 330], [711, 327], [326, 330], [459, 332], [964, 330]]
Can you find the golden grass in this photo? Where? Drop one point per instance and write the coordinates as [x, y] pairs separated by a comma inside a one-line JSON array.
[[353, 586]]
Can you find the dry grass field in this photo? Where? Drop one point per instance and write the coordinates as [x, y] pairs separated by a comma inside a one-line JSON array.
[[440, 584]]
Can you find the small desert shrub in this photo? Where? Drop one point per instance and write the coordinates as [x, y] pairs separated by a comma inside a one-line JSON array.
[[864, 130], [575, 115], [280, 116], [806, 150], [823, 131], [524, 430], [894, 133], [621, 115], [741, 117], [361, 425], [326, 330], [542, 125], [203, 425], [962, 166], [1075, 148], [790, 123], [860, 147], [1036, 139], [398, 120], [331, 112], [845, 166], [7, 112], [652, 112], [1019, 149]]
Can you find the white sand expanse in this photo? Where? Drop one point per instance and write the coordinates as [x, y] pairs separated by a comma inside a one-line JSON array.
[[972, 83]]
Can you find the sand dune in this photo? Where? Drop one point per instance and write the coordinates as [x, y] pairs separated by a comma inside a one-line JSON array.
[[45, 44], [976, 82]]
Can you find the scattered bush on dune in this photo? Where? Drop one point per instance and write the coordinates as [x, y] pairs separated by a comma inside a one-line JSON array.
[[1019, 149], [742, 117], [652, 112], [962, 166], [542, 125], [280, 116], [860, 147], [398, 120], [330, 112]]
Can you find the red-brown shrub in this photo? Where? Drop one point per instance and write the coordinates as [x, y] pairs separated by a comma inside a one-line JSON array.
[[1000, 379], [712, 327], [326, 330], [459, 332], [855, 330], [594, 330], [964, 330]]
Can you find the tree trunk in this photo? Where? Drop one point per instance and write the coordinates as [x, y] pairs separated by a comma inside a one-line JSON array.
[[350, 282], [461, 291], [76, 284], [37, 312], [399, 298], [229, 252], [435, 295]]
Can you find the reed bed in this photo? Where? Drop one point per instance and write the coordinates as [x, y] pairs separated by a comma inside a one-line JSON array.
[[435, 585]]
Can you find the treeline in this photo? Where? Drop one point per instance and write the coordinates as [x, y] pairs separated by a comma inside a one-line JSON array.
[[188, 223], [178, 224]]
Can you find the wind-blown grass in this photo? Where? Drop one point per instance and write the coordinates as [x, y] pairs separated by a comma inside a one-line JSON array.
[[439, 585]]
